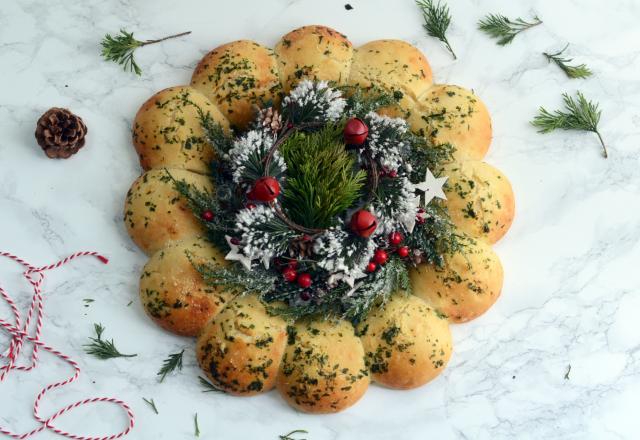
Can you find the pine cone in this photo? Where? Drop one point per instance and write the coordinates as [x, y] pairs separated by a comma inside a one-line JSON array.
[[60, 133], [270, 118]]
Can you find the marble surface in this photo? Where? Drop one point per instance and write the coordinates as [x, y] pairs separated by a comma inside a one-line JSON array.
[[571, 288]]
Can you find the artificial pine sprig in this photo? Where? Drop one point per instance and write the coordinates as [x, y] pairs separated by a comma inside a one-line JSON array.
[[505, 30], [579, 114], [579, 71], [103, 349], [436, 21], [172, 363], [120, 48]]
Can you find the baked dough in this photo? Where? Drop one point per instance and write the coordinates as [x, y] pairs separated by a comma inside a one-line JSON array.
[[238, 77], [323, 369], [155, 214], [316, 53], [406, 342], [468, 284], [241, 349], [167, 131], [480, 199], [173, 293]]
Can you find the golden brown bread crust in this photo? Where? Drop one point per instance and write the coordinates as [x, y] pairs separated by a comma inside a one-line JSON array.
[[155, 214], [240, 350], [392, 65], [238, 76], [172, 291], [480, 199], [448, 113], [406, 342], [468, 284], [323, 369], [315, 53], [167, 131]]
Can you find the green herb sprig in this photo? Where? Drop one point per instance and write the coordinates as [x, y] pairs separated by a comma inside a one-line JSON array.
[[172, 363], [579, 114], [209, 386], [297, 431], [120, 48], [505, 30], [579, 71], [436, 21], [197, 426], [103, 349], [151, 404]]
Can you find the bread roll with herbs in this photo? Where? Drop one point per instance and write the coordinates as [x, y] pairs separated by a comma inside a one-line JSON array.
[[240, 350], [156, 214], [394, 66], [172, 291], [406, 342], [315, 53], [480, 199], [448, 113], [237, 77], [167, 131], [468, 284], [323, 369]]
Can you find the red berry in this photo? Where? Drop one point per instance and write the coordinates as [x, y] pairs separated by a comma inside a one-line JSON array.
[[355, 132], [380, 256], [207, 215], [395, 238], [266, 189], [371, 267], [304, 280], [293, 264], [250, 205], [363, 223], [393, 174], [305, 296], [235, 241], [403, 251], [290, 274]]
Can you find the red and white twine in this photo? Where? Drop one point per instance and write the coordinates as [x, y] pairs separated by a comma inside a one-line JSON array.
[[20, 333]]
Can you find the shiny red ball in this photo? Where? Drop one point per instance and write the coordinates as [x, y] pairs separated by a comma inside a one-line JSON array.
[[266, 189], [290, 274], [380, 256], [371, 267], [403, 251], [304, 280], [395, 238], [363, 223], [355, 132], [207, 215]]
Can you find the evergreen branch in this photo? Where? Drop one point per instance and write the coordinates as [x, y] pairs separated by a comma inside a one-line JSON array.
[[579, 71], [173, 362], [361, 102], [234, 279], [297, 431], [209, 386], [436, 21], [152, 404], [578, 114], [197, 426], [505, 30], [103, 349], [120, 48]]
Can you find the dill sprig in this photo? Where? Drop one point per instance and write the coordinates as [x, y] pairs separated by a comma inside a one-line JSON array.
[[120, 48], [579, 71], [209, 386], [173, 362], [505, 30], [197, 426], [436, 21], [297, 431], [103, 349], [578, 114], [152, 404]]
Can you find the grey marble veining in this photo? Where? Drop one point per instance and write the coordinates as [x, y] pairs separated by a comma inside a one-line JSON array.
[[571, 258]]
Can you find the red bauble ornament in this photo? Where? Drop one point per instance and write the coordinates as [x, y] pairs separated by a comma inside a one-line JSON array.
[[395, 238], [380, 256], [207, 215], [304, 280], [355, 132], [290, 274], [403, 251], [266, 189], [363, 223], [371, 267]]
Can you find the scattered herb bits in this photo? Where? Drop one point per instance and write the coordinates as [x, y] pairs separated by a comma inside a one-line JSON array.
[[102, 349], [170, 364], [579, 71], [503, 29], [436, 21]]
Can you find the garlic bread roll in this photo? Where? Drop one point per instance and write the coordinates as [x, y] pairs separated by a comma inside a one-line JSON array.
[[172, 291], [315, 53], [240, 350], [323, 369], [406, 342], [468, 284], [238, 77], [155, 214]]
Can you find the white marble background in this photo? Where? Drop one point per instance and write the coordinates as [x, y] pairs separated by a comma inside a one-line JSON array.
[[571, 259]]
